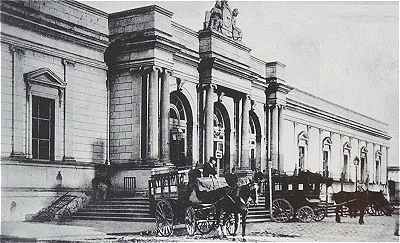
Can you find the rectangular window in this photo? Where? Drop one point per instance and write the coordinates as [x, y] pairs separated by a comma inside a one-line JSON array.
[[42, 128]]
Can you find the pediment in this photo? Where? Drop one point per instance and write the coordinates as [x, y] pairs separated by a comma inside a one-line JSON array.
[[44, 76]]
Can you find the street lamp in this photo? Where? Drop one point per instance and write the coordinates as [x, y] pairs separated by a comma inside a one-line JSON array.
[[356, 161]]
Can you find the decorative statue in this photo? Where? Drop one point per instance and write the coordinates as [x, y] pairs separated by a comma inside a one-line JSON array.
[[223, 20], [236, 32], [215, 21]]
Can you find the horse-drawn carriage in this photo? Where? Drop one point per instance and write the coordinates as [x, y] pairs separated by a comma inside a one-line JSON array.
[[298, 197], [202, 204]]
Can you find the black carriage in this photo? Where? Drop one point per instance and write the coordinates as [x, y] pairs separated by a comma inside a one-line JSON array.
[[172, 202], [298, 197]]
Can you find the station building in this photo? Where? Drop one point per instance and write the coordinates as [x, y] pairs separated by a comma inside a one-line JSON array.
[[143, 94]]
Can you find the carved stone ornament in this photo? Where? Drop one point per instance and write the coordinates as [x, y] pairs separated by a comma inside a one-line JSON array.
[[224, 20]]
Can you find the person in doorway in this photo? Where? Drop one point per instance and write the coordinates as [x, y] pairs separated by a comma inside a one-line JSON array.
[[209, 168]]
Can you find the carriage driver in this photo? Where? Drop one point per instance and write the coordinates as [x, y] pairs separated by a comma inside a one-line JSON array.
[[209, 168]]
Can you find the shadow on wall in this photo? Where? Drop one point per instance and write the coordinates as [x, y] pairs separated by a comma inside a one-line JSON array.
[[98, 150]]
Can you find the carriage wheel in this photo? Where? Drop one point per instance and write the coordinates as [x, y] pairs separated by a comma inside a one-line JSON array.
[[164, 218], [190, 221], [230, 225], [305, 214], [320, 213], [282, 211]]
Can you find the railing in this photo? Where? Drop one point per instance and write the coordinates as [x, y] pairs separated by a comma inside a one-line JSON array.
[[130, 185]]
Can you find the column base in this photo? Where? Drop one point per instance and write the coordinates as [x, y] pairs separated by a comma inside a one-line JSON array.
[[17, 155]]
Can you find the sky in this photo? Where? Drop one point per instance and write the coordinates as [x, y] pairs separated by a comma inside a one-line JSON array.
[[344, 52]]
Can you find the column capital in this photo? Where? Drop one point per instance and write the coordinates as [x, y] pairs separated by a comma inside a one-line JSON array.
[[67, 62], [16, 49]]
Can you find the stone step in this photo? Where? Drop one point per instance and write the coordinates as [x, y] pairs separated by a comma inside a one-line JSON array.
[[119, 202], [116, 210], [128, 199], [130, 219], [113, 214], [118, 206]]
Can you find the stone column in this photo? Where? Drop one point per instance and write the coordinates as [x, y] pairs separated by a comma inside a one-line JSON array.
[[209, 120], [164, 125], [245, 163], [68, 113], [281, 139], [153, 128], [275, 137]]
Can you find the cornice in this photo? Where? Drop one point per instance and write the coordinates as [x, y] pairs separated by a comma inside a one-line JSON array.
[[87, 8], [57, 33], [49, 20], [320, 114], [185, 29], [142, 10], [28, 45]]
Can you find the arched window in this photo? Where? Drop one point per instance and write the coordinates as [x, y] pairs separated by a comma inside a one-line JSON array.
[[363, 163], [302, 142], [346, 157], [378, 159], [326, 153]]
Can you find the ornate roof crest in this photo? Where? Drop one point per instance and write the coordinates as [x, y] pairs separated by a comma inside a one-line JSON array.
[[224, 20]]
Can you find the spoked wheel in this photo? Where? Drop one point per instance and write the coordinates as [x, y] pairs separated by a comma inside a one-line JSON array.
[[206, 221], [305, 214], [164, 218], [190, 221], [319, 213], [230, 225], [282, 211], [205, 226]]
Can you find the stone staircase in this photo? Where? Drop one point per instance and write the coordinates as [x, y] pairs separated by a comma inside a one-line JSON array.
[[258, 214], [119, 208]]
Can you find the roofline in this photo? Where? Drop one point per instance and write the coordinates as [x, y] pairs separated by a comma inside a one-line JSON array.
[[342, 107], [86, 7]]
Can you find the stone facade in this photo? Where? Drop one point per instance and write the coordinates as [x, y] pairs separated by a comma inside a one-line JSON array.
[[143, 93]]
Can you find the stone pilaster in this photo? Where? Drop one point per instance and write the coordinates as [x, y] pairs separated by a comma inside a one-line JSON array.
[[68, 113], [281, 137], [18, 104], [164, 125], [153, 109], [275, 137]]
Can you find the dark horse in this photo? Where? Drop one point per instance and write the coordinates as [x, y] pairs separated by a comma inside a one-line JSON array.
[[235, 201], [231, 200], [356, 202]]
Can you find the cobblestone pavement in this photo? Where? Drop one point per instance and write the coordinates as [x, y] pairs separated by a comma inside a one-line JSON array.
[[376, 229]]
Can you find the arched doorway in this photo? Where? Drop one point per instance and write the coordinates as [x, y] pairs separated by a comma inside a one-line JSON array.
[[255, 142], [180, 130], [221, 143]]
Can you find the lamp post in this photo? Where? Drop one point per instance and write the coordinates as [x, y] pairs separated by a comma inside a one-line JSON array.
[[356, 161]]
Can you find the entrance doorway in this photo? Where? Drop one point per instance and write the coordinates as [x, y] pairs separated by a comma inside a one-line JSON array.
[[180, 130]]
